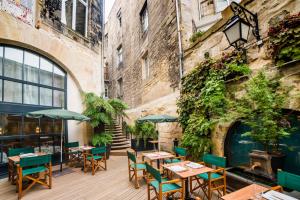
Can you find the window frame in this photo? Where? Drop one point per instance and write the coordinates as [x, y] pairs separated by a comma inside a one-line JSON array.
[[4, 78]]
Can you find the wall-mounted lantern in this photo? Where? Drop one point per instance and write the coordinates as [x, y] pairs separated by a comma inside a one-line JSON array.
[[238, 27]]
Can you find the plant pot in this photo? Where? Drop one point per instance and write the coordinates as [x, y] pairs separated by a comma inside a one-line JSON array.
[[141, 146], [277, 161], [108, 148]]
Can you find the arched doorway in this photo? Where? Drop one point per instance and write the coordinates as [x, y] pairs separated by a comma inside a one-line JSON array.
[[237, 147], [29, 82]]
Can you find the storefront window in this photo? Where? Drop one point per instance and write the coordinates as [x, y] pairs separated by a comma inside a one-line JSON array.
[[31, 94], [46, 72], [13, 92], [1, 59], [13, 63], [31, 67], [31, 126]]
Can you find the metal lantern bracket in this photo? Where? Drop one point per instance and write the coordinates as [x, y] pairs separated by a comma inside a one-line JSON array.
[[250, 17]]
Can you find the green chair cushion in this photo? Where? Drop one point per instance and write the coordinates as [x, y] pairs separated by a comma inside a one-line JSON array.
[[165, 187], [95, 157], [138, 166], [34, 170], [204, 176], [172, 160]]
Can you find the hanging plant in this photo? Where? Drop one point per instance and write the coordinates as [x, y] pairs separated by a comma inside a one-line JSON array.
[[284, 39]]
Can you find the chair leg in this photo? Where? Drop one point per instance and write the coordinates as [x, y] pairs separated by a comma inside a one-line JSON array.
[[20, 185], [136, 179], [148, 191], [93, 167], [105, 164], [50, 176]]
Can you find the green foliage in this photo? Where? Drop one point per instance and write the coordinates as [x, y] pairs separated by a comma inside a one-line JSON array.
[[261, 109], [285, 39], [204, 100], [195, 36], [102, 139], [100, 110], [144, 131]]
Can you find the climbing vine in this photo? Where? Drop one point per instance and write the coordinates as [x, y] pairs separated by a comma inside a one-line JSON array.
[[204, 99], [284, 39]]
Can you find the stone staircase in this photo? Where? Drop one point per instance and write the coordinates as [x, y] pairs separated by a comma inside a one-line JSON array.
[[120, 143]]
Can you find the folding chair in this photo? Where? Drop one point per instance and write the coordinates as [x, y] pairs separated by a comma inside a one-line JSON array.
[[134, 168], [162, 186], [72, 156], [287, 180], [95, 160], [31, 169], [180, 153], [214, 180], [12, 170]]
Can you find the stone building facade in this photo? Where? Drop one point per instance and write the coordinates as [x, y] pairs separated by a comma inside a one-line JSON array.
[[151, 97], [48, 57]]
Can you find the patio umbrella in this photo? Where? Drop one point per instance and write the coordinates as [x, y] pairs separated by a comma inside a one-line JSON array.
[[157, 119], [58, 114]]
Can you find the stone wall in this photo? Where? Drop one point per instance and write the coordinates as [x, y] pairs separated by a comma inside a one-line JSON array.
[[82, 64], [215, 43], [160, 43]]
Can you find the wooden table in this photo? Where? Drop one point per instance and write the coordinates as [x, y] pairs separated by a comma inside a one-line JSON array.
[[158, 155], [245, 193], [190, 172]]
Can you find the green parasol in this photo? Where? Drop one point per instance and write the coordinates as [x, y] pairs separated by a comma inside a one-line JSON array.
[[58, 114]]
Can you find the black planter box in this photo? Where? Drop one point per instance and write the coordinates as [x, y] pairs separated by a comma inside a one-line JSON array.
[[141, 146]]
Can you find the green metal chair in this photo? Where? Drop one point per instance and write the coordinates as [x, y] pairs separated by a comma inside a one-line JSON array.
[[72, 156], [30, 169], [95, 160], [214, 180], [12, 171], [287, 180], [162, 186], [180, 153], [134, 167]]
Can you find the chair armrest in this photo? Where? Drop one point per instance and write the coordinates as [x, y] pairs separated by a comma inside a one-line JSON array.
[[277, 188], [218, 170], [172, 181], [87, 154], [201, 163]]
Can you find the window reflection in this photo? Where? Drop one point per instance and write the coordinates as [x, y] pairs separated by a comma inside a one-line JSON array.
[[31, 94], [1, 59], [46, 126], [45, 96], [11, 124], [13, 92], [13, 63], [31, 126], [31, 67]]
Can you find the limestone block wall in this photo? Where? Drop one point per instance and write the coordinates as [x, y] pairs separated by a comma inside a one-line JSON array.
[[82, 64], [215, 43]]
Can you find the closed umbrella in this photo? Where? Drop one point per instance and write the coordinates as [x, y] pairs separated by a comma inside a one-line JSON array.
[[157, 119], [58, 114]]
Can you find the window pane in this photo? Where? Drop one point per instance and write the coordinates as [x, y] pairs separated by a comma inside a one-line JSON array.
[[69, 12], [58, 78], [221, 5], [31, 126], [12, 124], [1, 59], [1, 89], [31, 95], [46, 72], [80, 18], [31, 67], [13, 63], [45, 97], [46, 126], [12, 92], [58, 100]]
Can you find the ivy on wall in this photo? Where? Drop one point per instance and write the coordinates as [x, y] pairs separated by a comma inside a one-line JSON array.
[[204, 99], [284, 39]]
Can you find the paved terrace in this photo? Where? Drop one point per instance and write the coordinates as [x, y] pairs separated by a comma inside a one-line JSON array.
[[112, 184]]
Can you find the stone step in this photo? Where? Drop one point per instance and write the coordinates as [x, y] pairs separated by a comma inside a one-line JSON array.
[[121, 140], [120, 147], [121, 152], [120, 143]]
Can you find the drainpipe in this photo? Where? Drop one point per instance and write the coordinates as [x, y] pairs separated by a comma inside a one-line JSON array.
[[102, 52], [178, 15]]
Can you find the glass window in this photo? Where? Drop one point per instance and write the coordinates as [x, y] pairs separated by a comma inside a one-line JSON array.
[[13, 62], [45, 97], [13, 92], [31, 126], [58, 100], [31, 94], [144, 18], [31, 67], [1, 60], [1, 82], [59, 78], [46, 126], [46, 72], [11, 124], [120, 54], [80, 18]]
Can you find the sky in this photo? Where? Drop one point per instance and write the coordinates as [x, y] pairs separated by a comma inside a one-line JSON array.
[[108, 6]]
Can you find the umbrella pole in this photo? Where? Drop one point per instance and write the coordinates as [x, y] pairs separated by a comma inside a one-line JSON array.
[[61, 144]]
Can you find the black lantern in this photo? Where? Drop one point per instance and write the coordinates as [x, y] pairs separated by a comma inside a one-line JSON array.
[[238, 27], [237, 32]]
